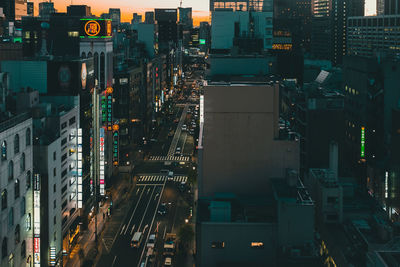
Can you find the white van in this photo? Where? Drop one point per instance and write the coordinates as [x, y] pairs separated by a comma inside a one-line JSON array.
[[136, 239]]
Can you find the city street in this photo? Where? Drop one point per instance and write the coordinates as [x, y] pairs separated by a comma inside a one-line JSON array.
[[151, 189]]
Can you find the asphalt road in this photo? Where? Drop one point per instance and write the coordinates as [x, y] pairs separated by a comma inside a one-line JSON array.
[[140, 216], [141, 213]]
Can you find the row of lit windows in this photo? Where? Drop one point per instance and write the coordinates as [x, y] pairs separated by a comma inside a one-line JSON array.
[[221, 244], [351, 90]]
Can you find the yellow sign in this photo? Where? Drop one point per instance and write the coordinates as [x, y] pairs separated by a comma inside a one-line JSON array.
[[282, 46], [109, 90], [115, 127], [92, 28], [108, 27]]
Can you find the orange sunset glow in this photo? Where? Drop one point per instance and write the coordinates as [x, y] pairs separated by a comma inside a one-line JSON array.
[[200, 8]]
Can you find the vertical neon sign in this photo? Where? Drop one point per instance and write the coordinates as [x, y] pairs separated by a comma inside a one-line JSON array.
[[362, 154], [101, 178], [80, 190], [36, 221]]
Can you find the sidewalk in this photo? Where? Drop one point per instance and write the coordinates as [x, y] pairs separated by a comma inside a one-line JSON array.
[[86, 241]]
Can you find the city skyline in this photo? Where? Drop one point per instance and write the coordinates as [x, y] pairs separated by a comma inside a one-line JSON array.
[[200, 8]]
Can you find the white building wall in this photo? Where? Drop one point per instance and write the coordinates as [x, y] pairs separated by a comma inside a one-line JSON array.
[[22, 218], [68, 132], [99, 46]]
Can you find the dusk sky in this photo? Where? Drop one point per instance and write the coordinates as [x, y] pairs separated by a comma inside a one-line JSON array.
[[200, 7]]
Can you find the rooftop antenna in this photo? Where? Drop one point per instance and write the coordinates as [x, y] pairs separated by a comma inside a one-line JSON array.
[[180, 4]]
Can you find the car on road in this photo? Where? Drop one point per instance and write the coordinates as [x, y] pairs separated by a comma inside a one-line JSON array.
[[184, 127], [170, 175], [162, 209], [182, 187], [151, 241], [136, 239], [168, 261]]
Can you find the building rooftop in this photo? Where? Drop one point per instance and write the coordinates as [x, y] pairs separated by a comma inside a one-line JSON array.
[[325, 176], [9, 122], [244, 209], [292, 191]]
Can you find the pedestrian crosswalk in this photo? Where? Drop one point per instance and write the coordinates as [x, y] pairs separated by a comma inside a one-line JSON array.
[[146, 179], [169, 158]]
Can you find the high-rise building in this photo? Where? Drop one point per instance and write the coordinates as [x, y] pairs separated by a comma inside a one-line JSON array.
[[136, 18], [373, 35], [388, 7], [115, 16], [185, 17], [149, 17], [14, 9], [79, 10], [167, 28], [240, 5], [56, 161], [46, 9], [18, 204], [30, 8], [293, 18], [253, 215], [204, 36], [329, 18]]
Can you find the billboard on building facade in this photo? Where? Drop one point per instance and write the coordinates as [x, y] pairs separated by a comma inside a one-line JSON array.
[[70, 77], [95, 28]]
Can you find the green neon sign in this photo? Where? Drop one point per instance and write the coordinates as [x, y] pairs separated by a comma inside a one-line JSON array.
[[202, 41], [362, 154]]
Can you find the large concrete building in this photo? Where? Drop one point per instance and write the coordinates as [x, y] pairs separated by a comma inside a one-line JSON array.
[[373, 35], [249, 192], [329, 18], [16, 173], [240, 134], [56, 160], [246, 5]]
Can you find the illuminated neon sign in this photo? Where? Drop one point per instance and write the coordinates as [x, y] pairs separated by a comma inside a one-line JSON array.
[[202, 41], [95, 28], [103, 109], [92, 28], [362, 154], [115, 144], [80, 190], [202, 109], [101, 178], [52, 261], [109, 112], [36, 220]]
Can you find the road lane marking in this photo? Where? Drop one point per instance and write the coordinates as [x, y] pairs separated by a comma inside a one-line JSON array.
[[152, 221], [137, 203], [147, 206], [133, 228], [165, 231], [114, 261], [122, 229]]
